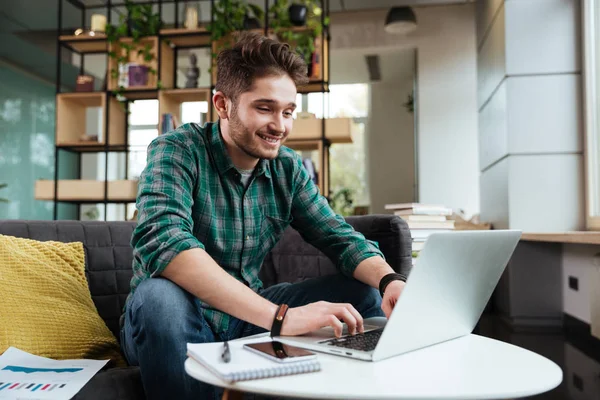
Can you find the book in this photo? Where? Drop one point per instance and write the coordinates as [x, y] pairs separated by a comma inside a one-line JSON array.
[[244, 364], [445, 225], [418, 209], [421, 218]]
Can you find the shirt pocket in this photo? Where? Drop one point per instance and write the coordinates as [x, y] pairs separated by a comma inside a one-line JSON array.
[[271, 228]]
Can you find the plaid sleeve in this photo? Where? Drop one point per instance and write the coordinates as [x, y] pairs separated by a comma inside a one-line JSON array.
[[319, 225], [164, 204]]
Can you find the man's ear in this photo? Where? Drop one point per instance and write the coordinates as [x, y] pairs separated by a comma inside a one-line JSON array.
[[221, 104]]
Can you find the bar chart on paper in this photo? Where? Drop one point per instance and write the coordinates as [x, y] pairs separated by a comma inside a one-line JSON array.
[[26, 376], [31, 387]]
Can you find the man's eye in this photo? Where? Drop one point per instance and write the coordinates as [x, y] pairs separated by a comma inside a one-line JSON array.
[[287, 114], [264, 109]]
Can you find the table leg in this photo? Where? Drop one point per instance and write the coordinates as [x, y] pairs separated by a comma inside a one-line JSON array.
[[230, 394]]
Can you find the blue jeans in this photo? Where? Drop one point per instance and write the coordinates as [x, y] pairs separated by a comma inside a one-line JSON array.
[[162, 317]]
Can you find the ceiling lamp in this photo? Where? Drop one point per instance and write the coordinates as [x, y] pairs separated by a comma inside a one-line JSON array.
[[400, 21]]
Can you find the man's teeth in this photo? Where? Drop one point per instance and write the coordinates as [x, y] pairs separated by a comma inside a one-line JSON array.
[[268, 139]]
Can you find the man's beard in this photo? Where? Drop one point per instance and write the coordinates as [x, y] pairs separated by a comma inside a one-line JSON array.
[[246, 140]]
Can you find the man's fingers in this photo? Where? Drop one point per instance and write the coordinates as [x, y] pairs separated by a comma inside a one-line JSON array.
[[387, 309], [359, 319], [337, 326], [346, 315]]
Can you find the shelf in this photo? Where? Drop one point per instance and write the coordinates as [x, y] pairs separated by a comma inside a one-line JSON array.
[[72, 114], [169, 101], [314, 87], [81, 190], [187, 94], [304, 145], [134, 57], [90, 147], [85, 44], [580, 237], [87, 99], [138, 93], [337, 130], [186, 38]]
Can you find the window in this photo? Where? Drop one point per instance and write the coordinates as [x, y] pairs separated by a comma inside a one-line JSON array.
[[348, 170], [592, 110], [143, 128]]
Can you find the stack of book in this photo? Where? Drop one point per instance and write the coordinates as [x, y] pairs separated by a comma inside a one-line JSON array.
[[423, 220]]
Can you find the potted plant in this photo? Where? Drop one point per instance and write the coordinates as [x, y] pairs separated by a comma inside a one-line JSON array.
[[297, 14], [341, 201], [2, 186], [231, 16], [138, 22], [283, 17]]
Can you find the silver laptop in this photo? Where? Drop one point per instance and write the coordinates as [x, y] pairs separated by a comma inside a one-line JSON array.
[[445, 295]]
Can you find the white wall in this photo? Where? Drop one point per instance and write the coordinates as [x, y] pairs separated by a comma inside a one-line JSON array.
[[446, 86], [390, 137], [530, 124]]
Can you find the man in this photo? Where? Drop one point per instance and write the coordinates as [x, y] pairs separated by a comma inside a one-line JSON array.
[[212, 203]]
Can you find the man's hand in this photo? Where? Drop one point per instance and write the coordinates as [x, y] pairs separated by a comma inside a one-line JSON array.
[[392, 292], [308, 318]]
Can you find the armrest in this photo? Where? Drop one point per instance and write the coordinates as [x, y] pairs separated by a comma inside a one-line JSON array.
[[294, 260]]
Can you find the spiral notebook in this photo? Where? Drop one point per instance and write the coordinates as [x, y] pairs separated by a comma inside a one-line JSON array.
[[245, 365]]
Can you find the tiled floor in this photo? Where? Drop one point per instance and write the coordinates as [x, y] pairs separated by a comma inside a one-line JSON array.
[[581, 371]]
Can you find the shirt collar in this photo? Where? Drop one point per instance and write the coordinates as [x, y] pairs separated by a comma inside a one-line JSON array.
[[222, 158]]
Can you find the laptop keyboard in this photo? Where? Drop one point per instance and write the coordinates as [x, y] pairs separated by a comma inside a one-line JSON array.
[[362, 341]]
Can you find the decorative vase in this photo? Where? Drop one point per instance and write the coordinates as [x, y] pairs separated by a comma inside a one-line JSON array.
[[98, 23], [297, 13], [191, 17]]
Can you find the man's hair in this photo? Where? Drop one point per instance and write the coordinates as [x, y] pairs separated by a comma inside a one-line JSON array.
[[256, 56]]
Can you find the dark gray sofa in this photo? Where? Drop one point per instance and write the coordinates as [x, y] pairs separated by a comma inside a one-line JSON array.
[[108, 269]]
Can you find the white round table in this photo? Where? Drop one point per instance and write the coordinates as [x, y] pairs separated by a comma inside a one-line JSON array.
[[471, 367]]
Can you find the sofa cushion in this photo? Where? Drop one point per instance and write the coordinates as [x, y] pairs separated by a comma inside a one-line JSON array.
[[46, 305], [108, 257]]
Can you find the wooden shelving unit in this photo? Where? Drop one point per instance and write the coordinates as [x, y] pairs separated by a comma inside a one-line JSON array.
[[84, 44], [87, 191], [337, 130], [134, 57], [187, 38], [170, 100], [72, 108]]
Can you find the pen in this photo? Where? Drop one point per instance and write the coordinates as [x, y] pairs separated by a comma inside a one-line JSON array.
[[226, 355]]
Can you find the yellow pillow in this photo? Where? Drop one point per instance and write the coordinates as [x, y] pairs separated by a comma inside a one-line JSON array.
[[45, 304]]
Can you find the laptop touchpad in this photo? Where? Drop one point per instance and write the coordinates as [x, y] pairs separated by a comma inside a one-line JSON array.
[[328, 332]]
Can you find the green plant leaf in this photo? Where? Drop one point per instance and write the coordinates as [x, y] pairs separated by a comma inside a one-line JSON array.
[[257, 11]]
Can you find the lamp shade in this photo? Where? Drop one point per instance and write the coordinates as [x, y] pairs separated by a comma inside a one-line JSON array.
[[400, 21]]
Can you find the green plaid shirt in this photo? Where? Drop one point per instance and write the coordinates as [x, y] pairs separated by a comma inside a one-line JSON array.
[[190, 195]]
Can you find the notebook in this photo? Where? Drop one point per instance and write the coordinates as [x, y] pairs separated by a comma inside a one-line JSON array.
[[244, 364]]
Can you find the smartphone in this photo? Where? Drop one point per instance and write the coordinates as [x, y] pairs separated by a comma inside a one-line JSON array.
[[279, 352]]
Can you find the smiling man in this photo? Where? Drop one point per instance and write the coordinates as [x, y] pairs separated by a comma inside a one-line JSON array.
[[213, 201]]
